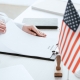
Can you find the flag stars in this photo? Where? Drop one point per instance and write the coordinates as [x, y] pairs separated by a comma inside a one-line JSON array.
[[74, 28], [67, 14], [74, 15], [76, 24], [67, 10], [66, 7], [73, 22], [69, 20], [71, 17], [69, 7], [76, 21], [73, 25], [70, 26], [71, 13], [70, 23]]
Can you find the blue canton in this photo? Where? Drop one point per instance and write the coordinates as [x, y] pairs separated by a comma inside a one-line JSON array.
[[71, 16]]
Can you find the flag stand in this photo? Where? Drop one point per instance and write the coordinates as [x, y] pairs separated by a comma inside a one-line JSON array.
[[68, 75], [77, 74]]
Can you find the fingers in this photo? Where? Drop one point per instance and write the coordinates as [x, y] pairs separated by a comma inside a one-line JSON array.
[[31, 32], [41, 34], [38, 32], [2, 30], [2, 27]]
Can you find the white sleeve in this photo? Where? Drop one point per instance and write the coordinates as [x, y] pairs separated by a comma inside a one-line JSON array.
[[20, 25], [4, 17]]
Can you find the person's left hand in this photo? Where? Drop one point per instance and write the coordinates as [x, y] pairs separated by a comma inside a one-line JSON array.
[[2, 27], [33, 30]]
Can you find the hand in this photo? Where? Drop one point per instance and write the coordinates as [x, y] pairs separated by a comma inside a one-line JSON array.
[[2, 27], [33, 30]]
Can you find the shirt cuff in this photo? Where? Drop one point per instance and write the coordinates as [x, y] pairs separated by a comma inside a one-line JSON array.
[[4, 17], [20, 25]]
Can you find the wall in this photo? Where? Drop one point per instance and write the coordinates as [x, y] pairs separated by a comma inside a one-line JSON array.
[[27, 2], [18, 2]]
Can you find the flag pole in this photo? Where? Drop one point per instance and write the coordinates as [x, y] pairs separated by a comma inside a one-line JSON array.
[[68, 75]]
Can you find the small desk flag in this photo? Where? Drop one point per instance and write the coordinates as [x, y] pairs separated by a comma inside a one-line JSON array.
[[69, 38]]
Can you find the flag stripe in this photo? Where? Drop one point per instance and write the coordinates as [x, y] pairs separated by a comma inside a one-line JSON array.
[[68, 45], [77, 64], [65, 40], [74, 57], [62, 35], [60, 30], [71, 49]]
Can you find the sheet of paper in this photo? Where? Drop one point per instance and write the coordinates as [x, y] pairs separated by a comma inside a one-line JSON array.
[[4, 48], [17, 72], [26, 44]]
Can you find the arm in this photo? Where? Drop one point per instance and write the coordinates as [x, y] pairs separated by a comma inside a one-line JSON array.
[[3, 17], [30, 29], [27, 28]]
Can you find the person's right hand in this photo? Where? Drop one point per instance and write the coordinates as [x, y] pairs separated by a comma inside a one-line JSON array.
[[2, 27]]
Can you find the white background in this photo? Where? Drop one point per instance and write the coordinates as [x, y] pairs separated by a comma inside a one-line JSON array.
[[18, 2], [27, 2]]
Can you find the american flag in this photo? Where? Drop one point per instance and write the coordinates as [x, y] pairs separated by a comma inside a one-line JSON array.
[[69, 38]]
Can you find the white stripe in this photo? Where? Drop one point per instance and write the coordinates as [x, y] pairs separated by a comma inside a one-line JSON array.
[[64, 38], [61, 33], [78, 68], [67, 40], [70, 45], [73, 52], [77, 44], [75, 61]]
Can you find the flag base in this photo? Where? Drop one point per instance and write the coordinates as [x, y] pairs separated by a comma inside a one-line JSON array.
[[77, 74]]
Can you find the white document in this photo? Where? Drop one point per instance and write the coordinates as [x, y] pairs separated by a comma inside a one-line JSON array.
[[17, 72], [54, 6], [22, 43]]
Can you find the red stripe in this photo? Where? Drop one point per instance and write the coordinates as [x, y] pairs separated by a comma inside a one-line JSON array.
[[65, 40], [77, 64], [74, 57], [60, 34], [68, 45], [71, 49], [61, 29]]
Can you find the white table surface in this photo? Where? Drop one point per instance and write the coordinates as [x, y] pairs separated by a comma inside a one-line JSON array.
[[39, 69]]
